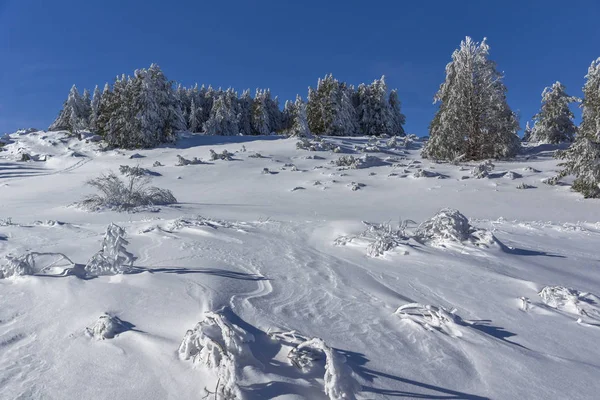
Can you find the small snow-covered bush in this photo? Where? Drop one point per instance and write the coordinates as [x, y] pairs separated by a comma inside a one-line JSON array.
[[113, 258], [119, 195], [32, 263], [256, 155], [339, 382], [351, 162], [356, 186], [432, 317], [218, 345], [224, 155], [106, 327], [381, 238], [483, 170], [450, 225], [157, 164], [524, 185], [512, 175], [572, 301], [199, 221], [133, 171], [316, 144], [553, 180], [181, 162]]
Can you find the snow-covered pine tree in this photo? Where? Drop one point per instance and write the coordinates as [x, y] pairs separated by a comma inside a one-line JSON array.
[[582, 158], [554, 123], [261, 124], [474, 119], [245, 113], [299, 123], [194, 123], [73, 115], [330, 109], [86, 106], [526, 133], [374, 112], [345, 122], [94, 109], [287, 116], [223, 119], [396, 118]]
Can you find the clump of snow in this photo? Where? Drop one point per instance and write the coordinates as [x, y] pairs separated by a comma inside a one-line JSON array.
[[106, 327], [199, 221], [512, 175], [531, 169], [524, 185], [116, 194], [157, 164], [381, 238], [134, 171], [224, 155], [256, 155], [136, 155], [356, 186], [339, 382], [432, 317], [113, 258], [449, 225], [316, 144], [219, 345], [483, 170], [423, 173], [351, 162], [16, 266]]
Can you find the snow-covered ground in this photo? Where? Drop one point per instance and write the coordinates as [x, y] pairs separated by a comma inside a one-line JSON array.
[[268, 259]]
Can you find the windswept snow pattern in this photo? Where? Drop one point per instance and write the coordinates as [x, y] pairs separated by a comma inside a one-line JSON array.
[[456, 287]]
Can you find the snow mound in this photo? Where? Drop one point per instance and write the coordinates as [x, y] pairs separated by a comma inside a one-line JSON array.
[[225, 155], [106, 327], [218, 345], [34, 263], [351, 162], [339, 381], [181, 161], [113, 258], [432, 318], [200, 221], [449, 225]]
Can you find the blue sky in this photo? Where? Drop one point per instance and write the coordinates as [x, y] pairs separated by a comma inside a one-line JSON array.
[[45, 47]]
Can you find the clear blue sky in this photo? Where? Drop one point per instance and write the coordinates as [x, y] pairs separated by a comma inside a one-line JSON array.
[[46, 46]]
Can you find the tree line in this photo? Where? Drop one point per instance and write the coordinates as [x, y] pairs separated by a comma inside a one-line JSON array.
[[473, 120], [144, 110]]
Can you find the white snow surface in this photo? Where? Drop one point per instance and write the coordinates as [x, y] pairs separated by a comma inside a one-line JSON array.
[[243, 244]]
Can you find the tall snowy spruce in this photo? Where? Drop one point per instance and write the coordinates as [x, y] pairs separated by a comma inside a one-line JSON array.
[[298, 121], [330, 110], [94, 109], [74, 115], [582, 158], [223, 118], [554, 123], [473, 121]]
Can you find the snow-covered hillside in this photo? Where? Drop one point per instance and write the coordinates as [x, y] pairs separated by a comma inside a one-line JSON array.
[[287, 273]]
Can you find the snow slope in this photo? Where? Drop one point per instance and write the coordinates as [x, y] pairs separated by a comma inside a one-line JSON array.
[[244, 243]]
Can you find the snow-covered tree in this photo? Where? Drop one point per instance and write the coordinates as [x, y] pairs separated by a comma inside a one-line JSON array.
[[473, 120], [86, 106], [299, 123], [94, 109], [396, 118], [261, 123], [113, 258], [375, 117], [194, 121], [554, 123], [582, 158], [73, 116], [330, 109], [223, 119], [245, 113], [527, 133]]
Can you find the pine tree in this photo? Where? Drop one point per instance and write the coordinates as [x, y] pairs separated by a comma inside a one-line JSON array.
[[554, 123], [527, 133], [330, 109], [73, 115], [261, 124], [223, 119], [396, 118], [86, 107], [375, 117], [582, 158], [94, 109], [245, 113], [104, 110], [474, 120], [194, 122], [299, 123]]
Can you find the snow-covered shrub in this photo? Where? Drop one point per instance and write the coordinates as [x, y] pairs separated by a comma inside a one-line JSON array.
[[113, 258], [356, 186], [381, 238], [339, 382], [483, 170], [316, 144], [133, 171], [106, 327], [33, 263], [423, 173], [351, 162], [256, 155], [218, 345], [524, 185], [224, 155], [583, 304], [450, 225], [119, 195], [553, 180], [512, 175], [157, 164], [432, 317], [200, 221], [181, 161], [266, 171], [531, 169]]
